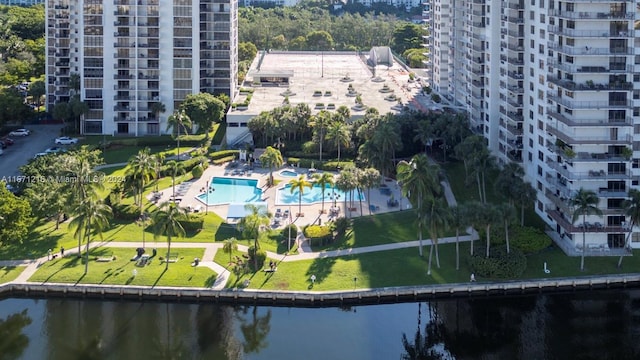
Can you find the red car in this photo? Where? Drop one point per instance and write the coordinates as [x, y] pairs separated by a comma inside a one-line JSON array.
[[7, 140]]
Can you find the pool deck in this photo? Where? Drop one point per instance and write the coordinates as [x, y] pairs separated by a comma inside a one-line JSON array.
[[188, 191]]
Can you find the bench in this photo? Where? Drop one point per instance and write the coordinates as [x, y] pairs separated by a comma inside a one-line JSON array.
[[172, 258], [104, 258]]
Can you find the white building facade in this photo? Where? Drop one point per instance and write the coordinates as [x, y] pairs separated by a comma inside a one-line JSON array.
[[554, 86], [132, 54]]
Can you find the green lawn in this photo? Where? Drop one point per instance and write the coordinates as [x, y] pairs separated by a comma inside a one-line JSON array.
[[10, 273], [404, 268], [120, 271], [387, 228], [271, 240]]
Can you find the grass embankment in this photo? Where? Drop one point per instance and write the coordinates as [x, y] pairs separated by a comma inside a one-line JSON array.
[[404, 267], [70, 269], [10, 273]]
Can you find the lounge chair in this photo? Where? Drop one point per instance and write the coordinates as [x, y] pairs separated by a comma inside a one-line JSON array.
[[278, 213]]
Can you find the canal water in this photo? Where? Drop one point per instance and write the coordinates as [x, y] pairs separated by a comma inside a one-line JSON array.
[[584, 325]]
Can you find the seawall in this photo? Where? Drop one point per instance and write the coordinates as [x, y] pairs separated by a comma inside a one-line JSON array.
[[318, 298]]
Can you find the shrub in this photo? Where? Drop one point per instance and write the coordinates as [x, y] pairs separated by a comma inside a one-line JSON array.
[[499, 265], [435, 98], [285, 232], [341, 225], [197, 171], [259, 255], [321, 233], [224, 160], [222, 154], [528, 239], [309, 147]]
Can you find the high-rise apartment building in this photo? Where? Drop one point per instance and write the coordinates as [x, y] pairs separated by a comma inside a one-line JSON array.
[[123, 57], [554, 86]]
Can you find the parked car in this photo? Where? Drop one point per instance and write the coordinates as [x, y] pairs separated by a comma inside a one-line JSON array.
[[3, 145], [40, 154], [7, 140], [1, 151], [20, 132], [54, 150], [65, 140]]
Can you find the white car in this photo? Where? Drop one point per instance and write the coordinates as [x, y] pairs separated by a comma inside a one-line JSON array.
[[40, 154], [65, 140], [20, 132]]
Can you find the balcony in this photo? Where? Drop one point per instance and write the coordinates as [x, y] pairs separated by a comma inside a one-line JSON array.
[[571, 104], [580, 228], [612, 193], [599, 175], [614, 15], [622, 139], [588, 50], [590, 33], [613, 68], [590, 86]]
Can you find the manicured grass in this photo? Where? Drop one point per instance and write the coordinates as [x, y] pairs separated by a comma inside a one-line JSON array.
[[271, 240], [120, 271], [10, 273], [219, 130], [42, 237], [379, 229], [404, 267], [122, 154]]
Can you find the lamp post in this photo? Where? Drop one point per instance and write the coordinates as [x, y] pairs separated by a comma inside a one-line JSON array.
[[209, 190]]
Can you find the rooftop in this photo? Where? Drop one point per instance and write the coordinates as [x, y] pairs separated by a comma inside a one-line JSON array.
[[322, 78]]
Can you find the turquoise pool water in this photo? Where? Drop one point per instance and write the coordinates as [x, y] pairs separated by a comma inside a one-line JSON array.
[[288, 173], [232, 190], [311, 196]]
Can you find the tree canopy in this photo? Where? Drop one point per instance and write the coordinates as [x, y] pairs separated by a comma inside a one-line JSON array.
[[15, 217]]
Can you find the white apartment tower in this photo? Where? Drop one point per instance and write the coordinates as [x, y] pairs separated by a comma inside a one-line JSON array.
[[553, 85], [129, 55]]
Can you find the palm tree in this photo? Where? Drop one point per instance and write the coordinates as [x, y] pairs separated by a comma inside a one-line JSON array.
[[319, 123], [340, 135], [508, 179], [158, 160], [585, 203], [467, 149], [157, 108], [458, 221], [141, 171], [438, 216], [176, 168], [632, 210], [526, 195], [487, 217], [229, 246], [92, 215], [273, 159], [481, 163], [300, 184], [166, 220], [79, 167], [506, 212], [420, 183], [177, 121], [370, 178], [323, 179], [251, 225]]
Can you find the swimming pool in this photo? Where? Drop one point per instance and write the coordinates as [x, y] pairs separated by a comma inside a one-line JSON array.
[[232, 190], [288, 173], [311, 196]]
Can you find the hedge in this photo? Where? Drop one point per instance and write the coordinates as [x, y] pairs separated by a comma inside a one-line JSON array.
[[320, 165], [499, 265], [188, 165], [224, 160], [151, 141], [530, 240], [322, 233], [223, 154], [197, 171]]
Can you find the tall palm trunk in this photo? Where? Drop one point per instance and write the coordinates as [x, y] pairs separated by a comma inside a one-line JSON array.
[[584, 242], [166, 267], [434, 242], [420, 240], [506, 234], [178, 139], [360, 199], [430, 256], [457, 249], [626, 244], [479, 187], [488, 238], [86, 254]]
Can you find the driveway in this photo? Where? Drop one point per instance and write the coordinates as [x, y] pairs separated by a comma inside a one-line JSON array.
[[18, 154]]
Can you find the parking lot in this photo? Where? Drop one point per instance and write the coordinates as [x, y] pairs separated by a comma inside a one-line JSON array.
[[24, 148]]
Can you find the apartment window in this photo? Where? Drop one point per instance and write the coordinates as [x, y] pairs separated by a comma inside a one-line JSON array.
[[530, 143], [531, 86], [539, 170], [530, 115], [532, 42], [531, 127], [540, 140], [541, 4], [533, 2], [636, 77], [532, 15], [540, 156], [540, 108], [532, 57], [635, 163], [530, 156], [541, 65], [542, 18], [539, 185], [541, 49]]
